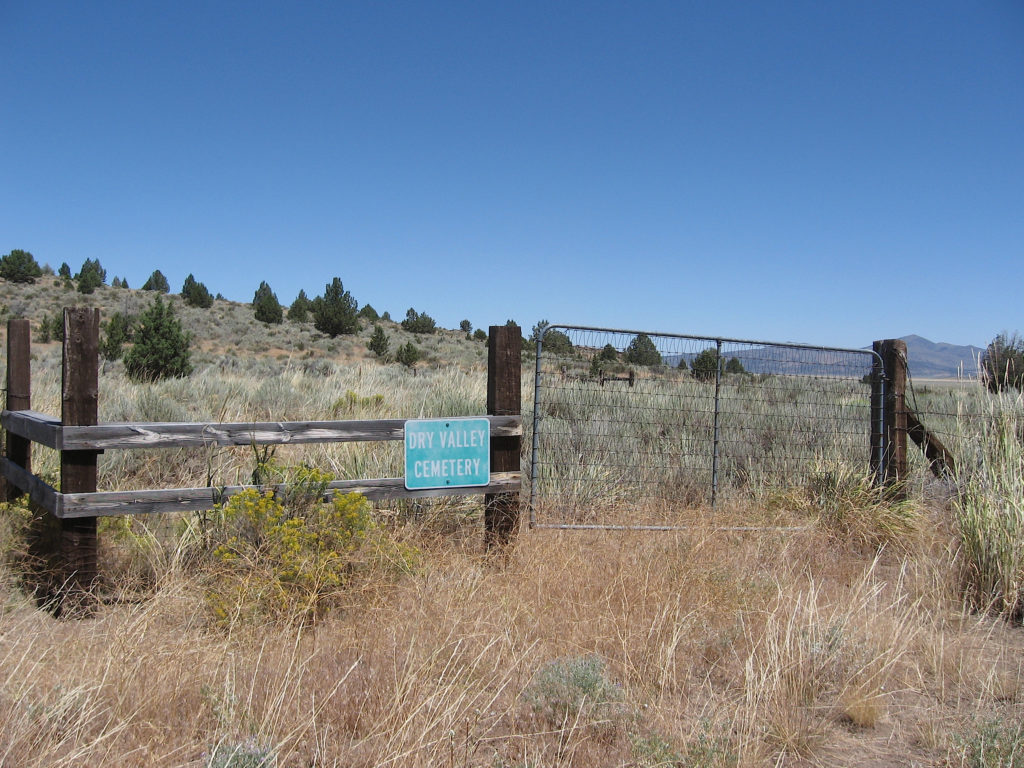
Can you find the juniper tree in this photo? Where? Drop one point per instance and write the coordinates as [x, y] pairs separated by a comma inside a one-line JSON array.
[[20, 266], [334, 313], [266, 306], [378, 343], [641, 351], [157, 282], [196, 294], [418, 322], [298, 312], [161, 348], [705, 365], [91, 276], [734, 366], [117, 331], [408, 354], [369, 313]]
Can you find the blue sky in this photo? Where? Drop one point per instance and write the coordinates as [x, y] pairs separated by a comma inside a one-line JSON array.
[[828, 172]]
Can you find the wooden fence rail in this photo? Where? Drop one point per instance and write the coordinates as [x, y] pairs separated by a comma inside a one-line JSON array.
[[67, 522]]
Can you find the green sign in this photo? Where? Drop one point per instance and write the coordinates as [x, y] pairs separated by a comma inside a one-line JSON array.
[[447, 453]]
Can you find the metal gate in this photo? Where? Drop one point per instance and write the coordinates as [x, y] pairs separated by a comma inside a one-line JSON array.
[[628, 420]]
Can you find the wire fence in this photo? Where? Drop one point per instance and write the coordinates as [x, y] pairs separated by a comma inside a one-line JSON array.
[[626, 420], [962, 413]]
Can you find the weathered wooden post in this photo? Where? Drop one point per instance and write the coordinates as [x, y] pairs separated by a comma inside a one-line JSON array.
[[504, 395], [79, 407], [19, 396], [42, 534], [894, 438]]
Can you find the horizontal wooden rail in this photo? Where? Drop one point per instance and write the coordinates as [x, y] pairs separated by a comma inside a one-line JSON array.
[[48, 431], [106, 503], [37, 427]]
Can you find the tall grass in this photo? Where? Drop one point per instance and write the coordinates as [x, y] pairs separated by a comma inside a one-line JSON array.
[[989, 513]]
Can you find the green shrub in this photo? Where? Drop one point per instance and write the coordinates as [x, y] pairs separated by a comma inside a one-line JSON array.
[[994, 743], [246, 754], [161, 348], [575, 689]]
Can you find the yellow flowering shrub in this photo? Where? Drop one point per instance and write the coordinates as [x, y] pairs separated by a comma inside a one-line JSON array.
[[290, 556]]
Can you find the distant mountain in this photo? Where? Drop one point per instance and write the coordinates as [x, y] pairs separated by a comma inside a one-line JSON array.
[[929, 360], [926, 359]]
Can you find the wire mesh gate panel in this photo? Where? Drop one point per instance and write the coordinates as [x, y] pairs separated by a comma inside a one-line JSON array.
[[631, 426]]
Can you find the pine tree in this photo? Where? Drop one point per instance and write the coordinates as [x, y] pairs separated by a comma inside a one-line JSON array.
[[20, 267], [418, 322], [369, 313], [117, 331], [266, 306], [705, 365], [298, 312], [641, 351], [196, 294], [378, 343], [334, 313], [161, 348], [91, 276], [734, 366], [408, 354], [157, 282]]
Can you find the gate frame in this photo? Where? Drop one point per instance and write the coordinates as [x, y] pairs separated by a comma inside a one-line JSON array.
[[884, 440]]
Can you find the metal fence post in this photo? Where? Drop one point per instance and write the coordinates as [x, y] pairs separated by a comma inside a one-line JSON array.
[[536, 430], [717, 433], [504, 396]]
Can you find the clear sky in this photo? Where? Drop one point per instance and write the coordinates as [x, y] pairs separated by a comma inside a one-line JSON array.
[[827, 172]]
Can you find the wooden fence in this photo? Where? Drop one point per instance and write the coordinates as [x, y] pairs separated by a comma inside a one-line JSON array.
[[64, 539]]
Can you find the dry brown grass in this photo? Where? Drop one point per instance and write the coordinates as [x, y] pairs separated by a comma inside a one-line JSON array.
[[724, 648]]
